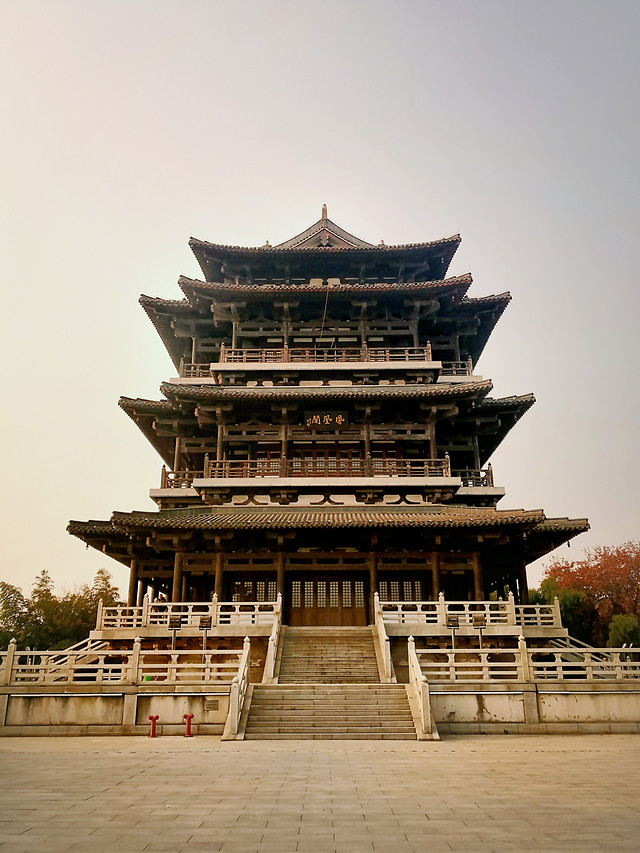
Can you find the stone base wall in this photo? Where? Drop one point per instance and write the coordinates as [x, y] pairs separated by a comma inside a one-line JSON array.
[[531, 708], [30, 711]]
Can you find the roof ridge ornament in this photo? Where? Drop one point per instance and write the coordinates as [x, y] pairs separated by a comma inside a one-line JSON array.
[[324, 212]]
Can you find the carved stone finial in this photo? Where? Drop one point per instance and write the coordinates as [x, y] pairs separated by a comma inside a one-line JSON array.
[[324, 211]]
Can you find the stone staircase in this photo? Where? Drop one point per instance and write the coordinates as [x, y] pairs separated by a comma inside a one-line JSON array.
[[329, 688], [330, 712], [328, 655]]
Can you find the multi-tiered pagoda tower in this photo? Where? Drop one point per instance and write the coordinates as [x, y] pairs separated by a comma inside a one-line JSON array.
[[327, 436]]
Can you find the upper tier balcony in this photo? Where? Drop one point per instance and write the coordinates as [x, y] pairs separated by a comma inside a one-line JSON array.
[[284, 468], [381, 357]]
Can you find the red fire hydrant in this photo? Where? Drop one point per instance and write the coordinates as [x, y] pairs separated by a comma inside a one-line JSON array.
[[152, 727], [187, 723]]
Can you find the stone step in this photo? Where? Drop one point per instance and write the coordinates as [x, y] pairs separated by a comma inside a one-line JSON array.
[[329, 735]]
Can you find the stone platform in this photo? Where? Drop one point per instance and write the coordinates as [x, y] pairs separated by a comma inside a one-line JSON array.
[[484, 793]]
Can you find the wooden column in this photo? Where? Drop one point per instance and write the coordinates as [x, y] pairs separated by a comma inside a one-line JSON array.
[[142, 588], [219, 568], [280, 574], [478, 587], [373, 579], [133, 583], [185, 586], [523, 585], [178, 562], [220, 443], [435, 575], [176, 454]]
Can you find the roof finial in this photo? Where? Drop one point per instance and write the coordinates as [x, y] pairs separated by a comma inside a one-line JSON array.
[[324, 211]]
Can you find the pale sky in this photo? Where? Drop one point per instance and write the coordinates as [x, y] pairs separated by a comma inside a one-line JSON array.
[[130, 125]]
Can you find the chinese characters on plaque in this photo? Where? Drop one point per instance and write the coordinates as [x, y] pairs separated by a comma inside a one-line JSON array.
[[325, 420]]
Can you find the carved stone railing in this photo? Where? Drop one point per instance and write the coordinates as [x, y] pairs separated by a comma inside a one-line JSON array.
[[419, 687], [473, 613], [272, 647], [162, 613], [527, 664], [384, 643], [238, 692], [129, 666]]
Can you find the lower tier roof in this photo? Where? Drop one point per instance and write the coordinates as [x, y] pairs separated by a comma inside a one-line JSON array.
[[538, 534]]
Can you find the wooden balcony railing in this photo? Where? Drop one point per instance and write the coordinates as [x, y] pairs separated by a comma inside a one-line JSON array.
[[287, 354], [317, 355], [328, 468], [476, 477]]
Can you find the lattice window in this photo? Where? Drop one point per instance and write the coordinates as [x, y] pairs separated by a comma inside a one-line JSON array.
[[296, 594], [359, 596], [308, 593], [346, 593], [334, 594], [383, 590], [321, 593]]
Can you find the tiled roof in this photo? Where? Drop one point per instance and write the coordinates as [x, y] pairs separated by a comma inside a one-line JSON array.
[[138, 406], [268, 517], [349, 392], [521, 403], [458, 284], [94, 529], [283, 248]]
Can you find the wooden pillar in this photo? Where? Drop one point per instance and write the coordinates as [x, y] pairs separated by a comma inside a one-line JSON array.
[[478, 587], [142, 588], [523, 585], [178, 562], [184, 593], [194, 347], [373, 580], [435, 575], [280, 574], [133, 583], [219, 568], [176, 454], [220, 443]]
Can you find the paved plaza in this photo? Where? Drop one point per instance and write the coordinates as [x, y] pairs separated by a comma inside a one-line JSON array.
[[491, 793]]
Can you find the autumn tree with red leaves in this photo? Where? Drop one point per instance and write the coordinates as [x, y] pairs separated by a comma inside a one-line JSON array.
[[607, 577]]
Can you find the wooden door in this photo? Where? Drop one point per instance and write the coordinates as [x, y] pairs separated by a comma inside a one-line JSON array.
[[327, 600]]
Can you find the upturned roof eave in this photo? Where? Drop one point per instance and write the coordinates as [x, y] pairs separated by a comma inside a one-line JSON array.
[[177, 391]]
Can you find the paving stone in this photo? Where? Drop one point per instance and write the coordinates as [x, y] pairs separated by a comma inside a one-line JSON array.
[[486, 793]]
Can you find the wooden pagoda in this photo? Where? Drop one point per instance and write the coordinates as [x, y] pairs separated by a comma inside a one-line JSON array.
[[327, 436]]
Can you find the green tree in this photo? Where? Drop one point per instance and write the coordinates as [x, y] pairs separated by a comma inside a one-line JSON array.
[[13, 614], [624, 629], [578, 611]]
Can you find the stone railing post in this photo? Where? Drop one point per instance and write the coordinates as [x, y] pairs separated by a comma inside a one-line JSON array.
[[135, 661], [511, 609], [427, 352], [525, 669], [163, 477], [469, 366], [181, 367], [214, 609], [7, 674], [99, 615], [223, 353], [489, 475], [234, 699], [557, 613], [145, 611], [441, 610], [447, 465]]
